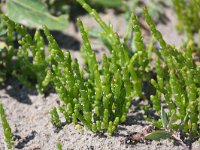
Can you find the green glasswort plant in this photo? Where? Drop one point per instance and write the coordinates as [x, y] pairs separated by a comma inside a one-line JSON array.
[[177, 87], [27, 70], [100, 96], [100, 103], [188, 15], [6, 127]]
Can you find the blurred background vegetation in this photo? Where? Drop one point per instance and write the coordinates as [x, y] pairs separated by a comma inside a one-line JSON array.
[[55, 14]]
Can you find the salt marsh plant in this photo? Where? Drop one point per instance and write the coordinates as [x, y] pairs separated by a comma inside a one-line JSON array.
[[99, 101], [177, 86], [99, 97], [6, 128], [30, 66]]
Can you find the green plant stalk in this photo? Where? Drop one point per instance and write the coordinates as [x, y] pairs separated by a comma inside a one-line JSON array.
[[94, 13], [6, 127], [93, 66], [139, 44], [55, 118]]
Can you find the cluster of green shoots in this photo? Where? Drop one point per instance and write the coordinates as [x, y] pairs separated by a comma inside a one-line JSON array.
[[6, 127], [177, 86], [99, 96], [188, 15], [27, 63]]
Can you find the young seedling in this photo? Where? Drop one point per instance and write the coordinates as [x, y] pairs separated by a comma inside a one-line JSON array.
[[55, 118], [6, 127], [59, 146]]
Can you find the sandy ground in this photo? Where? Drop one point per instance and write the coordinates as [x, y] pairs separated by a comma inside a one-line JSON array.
[[28, 113]]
